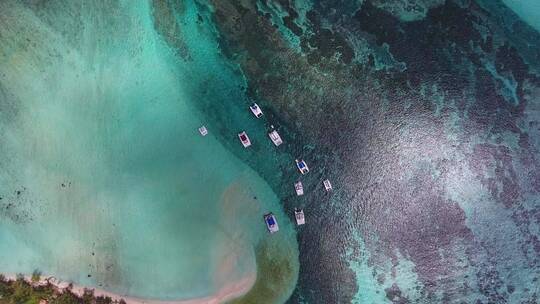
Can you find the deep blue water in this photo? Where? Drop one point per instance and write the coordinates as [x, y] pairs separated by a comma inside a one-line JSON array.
[[424, 115]]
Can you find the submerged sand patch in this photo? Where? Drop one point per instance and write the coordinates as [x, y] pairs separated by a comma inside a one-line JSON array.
[[102, 160], [276, 255]]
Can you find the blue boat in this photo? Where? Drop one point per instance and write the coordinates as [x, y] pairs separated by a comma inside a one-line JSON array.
[[271, 222], [302, 166]]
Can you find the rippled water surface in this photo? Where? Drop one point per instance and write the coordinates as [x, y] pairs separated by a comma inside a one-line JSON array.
[[424, 114]]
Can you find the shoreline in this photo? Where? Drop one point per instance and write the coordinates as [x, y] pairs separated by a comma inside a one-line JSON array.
[[226, 293]]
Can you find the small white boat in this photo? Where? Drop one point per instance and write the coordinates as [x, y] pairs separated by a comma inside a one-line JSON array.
[[276, 139], [244, 139], [203, 130], [271, 222], [256, 110], [327, 185], [299, 216], [299, 188], [302, 166]]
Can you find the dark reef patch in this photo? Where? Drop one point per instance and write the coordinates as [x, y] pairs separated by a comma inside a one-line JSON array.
[[403, 117], [394, 294], [165, 23], [17, 206]]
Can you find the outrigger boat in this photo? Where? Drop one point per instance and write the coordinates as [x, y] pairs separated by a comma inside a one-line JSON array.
[[203, 130], [271, 222], [299, 216], [274, 136], [244, 139], [302, 166], [299, 188], [327, 185], [256, 110]]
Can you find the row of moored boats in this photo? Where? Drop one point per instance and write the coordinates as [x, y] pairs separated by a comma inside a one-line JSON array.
[[270, 218]]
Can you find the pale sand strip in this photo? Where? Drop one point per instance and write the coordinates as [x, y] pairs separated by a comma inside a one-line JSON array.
[[226, 293]]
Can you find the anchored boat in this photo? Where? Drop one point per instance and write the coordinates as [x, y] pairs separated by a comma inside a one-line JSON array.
[[256, 110], [244, 139], [327, 185], [203, 130], [299, 216], [299, 188], [276, 139], [271, 222], [302, 166]]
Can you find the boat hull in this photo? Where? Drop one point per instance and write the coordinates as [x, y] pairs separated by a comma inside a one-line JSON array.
[[276, 139], [327, 185], [203, 131], [302, 166], [256, 110], [244, 139], [299, 216], [299, 188], [271, 223]]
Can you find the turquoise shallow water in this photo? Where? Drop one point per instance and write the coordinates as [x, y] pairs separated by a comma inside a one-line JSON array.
[[104, 178], [423, 114], [527, 10]]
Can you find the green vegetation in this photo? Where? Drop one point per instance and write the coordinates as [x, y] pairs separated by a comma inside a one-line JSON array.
[[36, 275], [21, 291]]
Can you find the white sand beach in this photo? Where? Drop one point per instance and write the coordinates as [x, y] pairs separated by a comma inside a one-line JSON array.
[[228, 292]]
